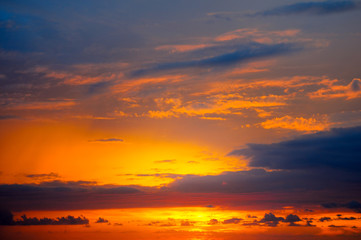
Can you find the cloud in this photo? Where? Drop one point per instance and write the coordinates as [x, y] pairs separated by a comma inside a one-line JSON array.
[[215, 105], [166, 161], [213, 222], [242, 54], [43, 176], [314, 8], [309, 224], [101, 220], [271, 220], [46, 105], [353, 205], [337, 149], [6, 218], [69, 220], [7, 117], [187, 223], [53, 36], [108, 140], [295, 123], [324, 219], [347, 218], [170, 223], [311, 167], [292, 219], [182, 48], [62, 195], [333, 90], [232, 221], [160, 175], [335, 226]]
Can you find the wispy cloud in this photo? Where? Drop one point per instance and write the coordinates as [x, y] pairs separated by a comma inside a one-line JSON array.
[[316, 8], [296, 123], [244, 53], [107, 140], [7, 117], [335, 90], [48, 105], [166, 161], [43, 176]]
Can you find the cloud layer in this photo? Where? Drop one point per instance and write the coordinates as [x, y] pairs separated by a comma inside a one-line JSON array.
[[317, 8]]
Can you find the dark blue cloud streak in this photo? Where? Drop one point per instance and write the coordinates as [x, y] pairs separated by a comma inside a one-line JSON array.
[[316, 8], [243, 53]]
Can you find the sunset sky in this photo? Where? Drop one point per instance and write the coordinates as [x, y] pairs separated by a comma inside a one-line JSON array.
[[178, 119]]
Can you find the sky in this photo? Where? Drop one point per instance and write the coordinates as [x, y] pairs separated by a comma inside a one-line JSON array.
[[197, 120]]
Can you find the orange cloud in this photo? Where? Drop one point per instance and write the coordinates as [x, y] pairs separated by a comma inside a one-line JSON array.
[[258, 35], [350, 91], [229, 104], [135, 84], [81, 74], [43, 105], [298, 124], [296, 83], [183, 48]]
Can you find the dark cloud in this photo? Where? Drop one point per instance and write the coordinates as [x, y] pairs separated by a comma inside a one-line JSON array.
[[6, 218], [292, 219], [108, 140], [101, 220], [43, 176], [61, 195], [187, 223], [259, 180], [314, 167], [69, 220], [7, 117], [335, 226], [241, 54], [314, 8], [347, 218], [356, 85], [353, 205], [324, 219], [213, 222], [271, 220], [335, 149], [309, 224], [232, 221]]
